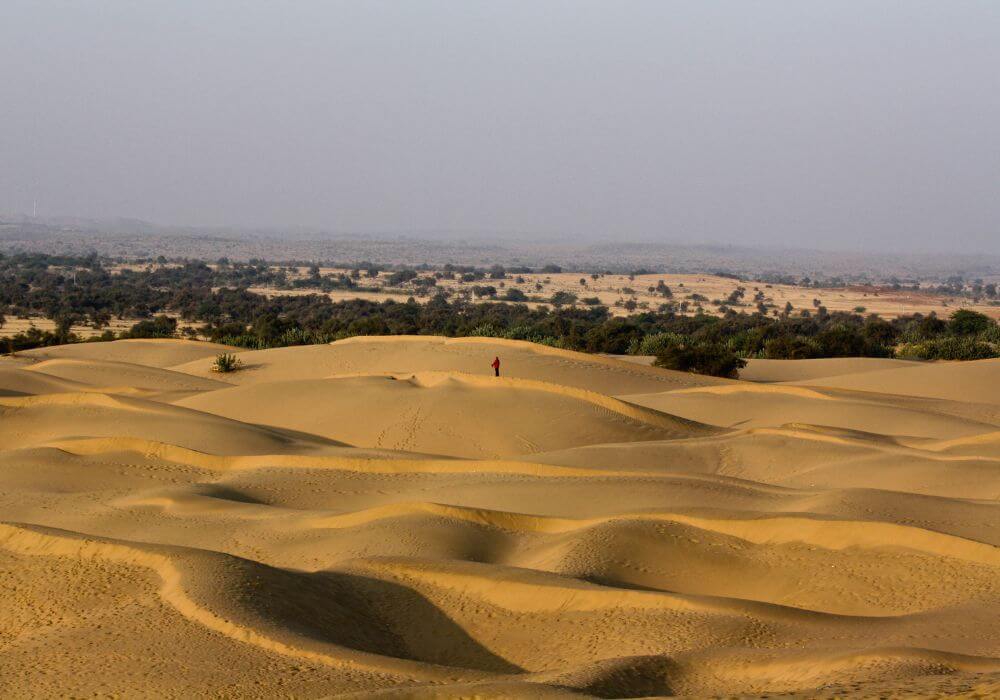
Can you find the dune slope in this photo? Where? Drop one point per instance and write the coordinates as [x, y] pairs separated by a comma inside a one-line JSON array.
[[444, 413], [382, 517], [409, 354], [977, 381]]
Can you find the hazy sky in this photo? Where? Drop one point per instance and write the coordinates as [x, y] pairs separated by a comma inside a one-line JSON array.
[[839, 124]]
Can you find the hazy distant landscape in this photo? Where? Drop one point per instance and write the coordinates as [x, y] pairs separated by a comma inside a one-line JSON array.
[[140, 240]]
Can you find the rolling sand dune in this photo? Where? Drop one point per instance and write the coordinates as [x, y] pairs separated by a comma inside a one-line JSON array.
[[802, 370], [441, 413], [382, 517], [16, 381], [399, 355], [152, 353], [747, 405], [977, 381]]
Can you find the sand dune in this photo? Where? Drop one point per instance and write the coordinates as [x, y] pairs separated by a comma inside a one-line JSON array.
[[17, 381], [381, 517], [747, 405], [977, 381], [444, 413], [398, 355], [758, 370], [148, 352]]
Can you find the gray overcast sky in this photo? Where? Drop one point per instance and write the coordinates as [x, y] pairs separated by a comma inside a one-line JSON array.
[[837, 124]]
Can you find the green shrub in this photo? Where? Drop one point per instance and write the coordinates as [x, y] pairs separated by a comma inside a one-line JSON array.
[[563, 298], [486, 330], [788, 347], [926, 328], [654, 343], [847, 341], [990, 335], [965, 322], [949, 348], [711, 359], [159, 327], [227, 362]]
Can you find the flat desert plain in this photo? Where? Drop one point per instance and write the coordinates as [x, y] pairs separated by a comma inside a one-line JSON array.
[[382, 516]]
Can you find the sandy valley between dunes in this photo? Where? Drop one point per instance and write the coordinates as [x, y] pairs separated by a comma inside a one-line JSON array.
[[381, 516]]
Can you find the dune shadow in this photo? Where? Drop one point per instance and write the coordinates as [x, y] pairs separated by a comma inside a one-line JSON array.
[[349, 610], [608, 582], [634, 677], [292, 436], [226, 493], [415, 628]]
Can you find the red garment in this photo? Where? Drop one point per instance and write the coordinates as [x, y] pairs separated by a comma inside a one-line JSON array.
[[496, 363]]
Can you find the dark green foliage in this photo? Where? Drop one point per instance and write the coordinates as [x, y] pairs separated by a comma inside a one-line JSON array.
[[968, 335], [563, 298], [227, 362], [159, 327], [31, 338], [949, 348], [965, 322], [401, 277], [928, 327], [76, 290], [710, 359], [879, 331], [484, 290], [788, 347], [841, 341]]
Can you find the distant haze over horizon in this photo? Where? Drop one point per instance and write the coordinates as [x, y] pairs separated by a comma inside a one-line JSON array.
[[835, 126]]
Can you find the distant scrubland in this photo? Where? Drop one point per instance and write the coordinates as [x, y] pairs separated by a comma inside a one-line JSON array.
[[262, 305]]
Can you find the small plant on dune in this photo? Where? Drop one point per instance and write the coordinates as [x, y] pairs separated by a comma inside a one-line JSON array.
[[227, 362]]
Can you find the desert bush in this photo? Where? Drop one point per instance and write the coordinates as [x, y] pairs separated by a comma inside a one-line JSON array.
[[563, 298], [401, 277], [925, 328], [842, 340], [711, 359], [159, 327], [990, 335], [486, 330], [965, 322], [948, 348], [654, 344], [227, 362], [788, 347]]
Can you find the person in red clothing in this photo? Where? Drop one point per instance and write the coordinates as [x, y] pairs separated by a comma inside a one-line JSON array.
[[496, 366]]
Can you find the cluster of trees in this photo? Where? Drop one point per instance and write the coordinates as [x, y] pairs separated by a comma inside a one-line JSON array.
[[702, 343], [722, 347], [76, 290]]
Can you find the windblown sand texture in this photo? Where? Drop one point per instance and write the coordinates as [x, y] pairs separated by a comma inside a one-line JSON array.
[[381, 516]]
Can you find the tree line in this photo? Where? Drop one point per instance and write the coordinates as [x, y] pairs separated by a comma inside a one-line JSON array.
[[217, 301]]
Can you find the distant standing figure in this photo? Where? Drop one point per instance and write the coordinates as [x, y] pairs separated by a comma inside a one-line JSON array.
[[496, 366]]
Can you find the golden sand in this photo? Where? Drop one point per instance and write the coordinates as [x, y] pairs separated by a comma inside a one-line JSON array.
[[382, 516]]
